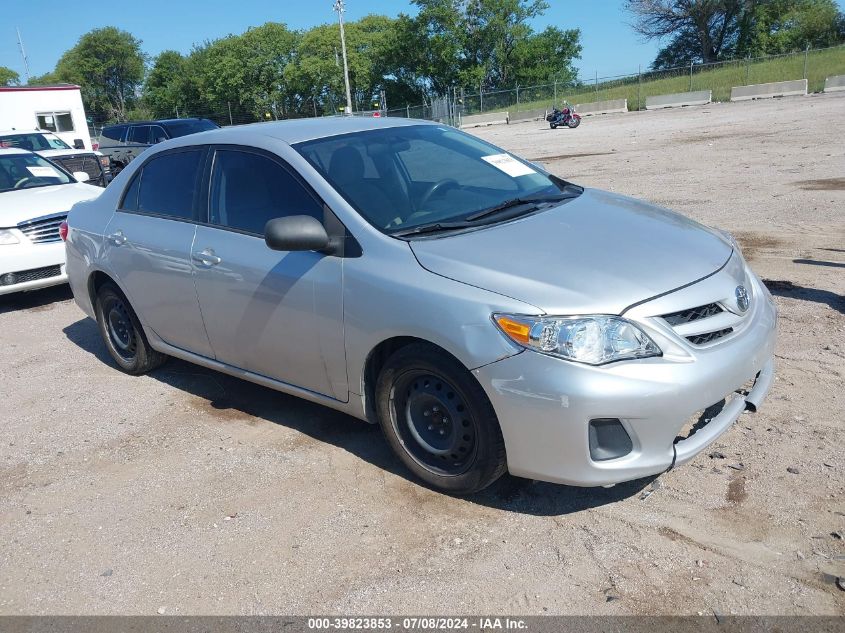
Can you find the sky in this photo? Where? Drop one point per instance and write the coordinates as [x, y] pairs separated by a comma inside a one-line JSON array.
[[49, 28]]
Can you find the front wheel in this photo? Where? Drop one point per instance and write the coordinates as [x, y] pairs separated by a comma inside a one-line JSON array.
[[438, 420], [573, 123], [122, 333]]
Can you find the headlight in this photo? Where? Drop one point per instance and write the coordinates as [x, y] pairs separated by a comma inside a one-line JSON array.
[[594, 340], [7, 237]]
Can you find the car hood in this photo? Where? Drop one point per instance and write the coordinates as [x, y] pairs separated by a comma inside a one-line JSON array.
[[597, 254], [27, 204], [63, 153]]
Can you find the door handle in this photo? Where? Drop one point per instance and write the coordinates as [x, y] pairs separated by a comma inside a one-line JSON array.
[[206, 257], [118, 238]]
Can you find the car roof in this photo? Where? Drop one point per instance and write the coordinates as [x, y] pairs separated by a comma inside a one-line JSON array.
[[165, 121], [299, 130], [34, 131]]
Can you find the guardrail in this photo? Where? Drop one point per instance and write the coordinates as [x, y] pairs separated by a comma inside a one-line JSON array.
[[527, 115], [767, 91], [678, 100], [835, 83], [602, 107], [479, 120]]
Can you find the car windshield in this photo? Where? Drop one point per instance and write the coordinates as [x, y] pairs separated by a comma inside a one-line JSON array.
[[183, 128], [27, 171], [402, 179], [33, 142]]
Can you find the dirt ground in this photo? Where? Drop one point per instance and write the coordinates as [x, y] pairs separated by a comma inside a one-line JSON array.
[[189, 492]]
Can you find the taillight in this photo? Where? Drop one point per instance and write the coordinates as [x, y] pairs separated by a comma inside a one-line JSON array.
[[95, 146], [63, 231]]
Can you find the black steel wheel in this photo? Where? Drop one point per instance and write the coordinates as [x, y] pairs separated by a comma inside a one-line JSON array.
[[439, 421], [122, 332]]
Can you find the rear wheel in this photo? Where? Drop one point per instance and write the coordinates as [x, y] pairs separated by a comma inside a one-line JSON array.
[[438, 420], [552, 125], [122, 333]]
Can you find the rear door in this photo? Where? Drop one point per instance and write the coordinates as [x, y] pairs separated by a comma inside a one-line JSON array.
[[277, 314], [148, 242], [138, 138]]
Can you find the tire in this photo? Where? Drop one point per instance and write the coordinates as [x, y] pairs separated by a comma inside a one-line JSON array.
[[573, 123], [438, 420], [553, 125], [122, 333]]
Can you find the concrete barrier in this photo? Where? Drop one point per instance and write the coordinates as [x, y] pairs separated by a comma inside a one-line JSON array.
[[678, 100], [489, 118], [527, 115], [602, 107], [767, 91], [835, 83]]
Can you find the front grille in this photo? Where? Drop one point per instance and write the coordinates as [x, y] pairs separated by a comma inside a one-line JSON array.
[[43, 230], [30, 275], [708, 337], [89, 163], [693, 314]]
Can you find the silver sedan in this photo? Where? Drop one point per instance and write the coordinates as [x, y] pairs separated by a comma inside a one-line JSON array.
[[490, 316]]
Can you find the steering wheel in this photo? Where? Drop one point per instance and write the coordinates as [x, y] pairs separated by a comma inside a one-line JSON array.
[[21, 181], [436, 187]]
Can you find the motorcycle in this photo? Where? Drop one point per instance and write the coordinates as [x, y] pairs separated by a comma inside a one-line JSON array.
[[565, 116]]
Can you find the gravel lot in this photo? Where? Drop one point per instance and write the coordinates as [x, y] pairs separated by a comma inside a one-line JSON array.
[[189, 492]]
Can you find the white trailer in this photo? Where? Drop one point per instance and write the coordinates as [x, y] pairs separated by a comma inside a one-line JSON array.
[[57, 109]]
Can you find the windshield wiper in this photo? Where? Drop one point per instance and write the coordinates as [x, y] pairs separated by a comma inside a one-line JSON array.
[[518, 202], [435, 227]]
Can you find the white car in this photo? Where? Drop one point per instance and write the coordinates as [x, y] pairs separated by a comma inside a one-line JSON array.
[[49, 146], [35, 197]]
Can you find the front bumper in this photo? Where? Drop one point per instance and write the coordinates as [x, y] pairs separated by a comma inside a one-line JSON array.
[[545, 404], [27, 261]]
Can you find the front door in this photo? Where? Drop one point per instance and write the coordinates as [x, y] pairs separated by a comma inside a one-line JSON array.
[[277, 314], [148, 242]]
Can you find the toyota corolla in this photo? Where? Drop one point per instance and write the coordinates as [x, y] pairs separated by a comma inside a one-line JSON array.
[[490, 316]]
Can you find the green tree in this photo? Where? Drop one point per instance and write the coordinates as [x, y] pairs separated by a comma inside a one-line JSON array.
[[317, 72], [9, 77], [784, 26], [164, 89], [43, 80], [703, 29], [247, 71], [547, 56], [486, 42], [108, 65]]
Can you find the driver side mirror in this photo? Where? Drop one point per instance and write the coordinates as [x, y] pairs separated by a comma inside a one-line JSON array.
[[296, 233], [80, 176], [78, 144]]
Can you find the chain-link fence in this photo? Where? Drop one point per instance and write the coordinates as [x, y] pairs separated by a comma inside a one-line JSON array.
[[720, 77]]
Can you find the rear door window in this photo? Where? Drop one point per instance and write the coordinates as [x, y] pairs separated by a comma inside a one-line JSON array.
[[139, 134], [168, 184]]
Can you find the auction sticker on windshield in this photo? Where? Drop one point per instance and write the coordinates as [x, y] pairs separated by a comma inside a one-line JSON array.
[[41, 172], [508, 164]]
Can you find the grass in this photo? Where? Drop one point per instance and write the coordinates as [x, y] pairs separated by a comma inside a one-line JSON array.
[[719, 78]]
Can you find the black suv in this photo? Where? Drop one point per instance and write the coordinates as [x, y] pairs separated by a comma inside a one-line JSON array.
[[124, 141]]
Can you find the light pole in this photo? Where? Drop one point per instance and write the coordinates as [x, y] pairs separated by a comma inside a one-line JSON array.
[[338, 6]]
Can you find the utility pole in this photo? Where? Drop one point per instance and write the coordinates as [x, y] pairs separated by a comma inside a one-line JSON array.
[[23, 54], [338, 6]]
